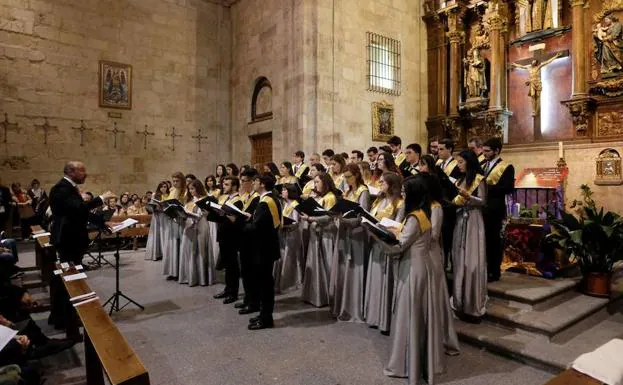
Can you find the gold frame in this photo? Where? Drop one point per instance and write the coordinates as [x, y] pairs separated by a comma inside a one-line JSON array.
[[128, 70], [377, 107], [610, 157]]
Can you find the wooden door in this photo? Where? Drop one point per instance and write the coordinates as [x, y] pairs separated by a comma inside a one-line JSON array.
[[261, 148]]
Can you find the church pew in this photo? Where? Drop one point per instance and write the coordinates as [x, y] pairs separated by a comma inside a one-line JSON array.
[[105, 348], [45, 255], [572, 377]]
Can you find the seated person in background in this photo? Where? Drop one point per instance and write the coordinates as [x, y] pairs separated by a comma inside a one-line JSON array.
[[124, 200], [24, 208], [148, 194], [137, 208]]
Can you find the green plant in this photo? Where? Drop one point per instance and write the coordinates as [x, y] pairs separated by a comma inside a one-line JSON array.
[[594, 240]]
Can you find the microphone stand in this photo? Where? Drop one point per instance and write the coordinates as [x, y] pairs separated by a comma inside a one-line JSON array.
[[114, 299]]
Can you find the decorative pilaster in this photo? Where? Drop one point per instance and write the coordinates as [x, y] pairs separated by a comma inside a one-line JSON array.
[[578, 49], [456, 38], [496, 21]]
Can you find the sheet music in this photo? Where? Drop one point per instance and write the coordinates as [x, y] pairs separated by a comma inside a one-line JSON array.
[[124, 225], [453, 180], [216, 206], [390, 223], [74, 277], [39, 235], [82, 296], [6, 335], [86, 301], [233, 207]]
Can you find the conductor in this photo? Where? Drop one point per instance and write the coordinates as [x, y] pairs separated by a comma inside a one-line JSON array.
[[69, 236]]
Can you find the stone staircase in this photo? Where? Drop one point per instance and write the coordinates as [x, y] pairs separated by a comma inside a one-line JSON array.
[[544, 323]]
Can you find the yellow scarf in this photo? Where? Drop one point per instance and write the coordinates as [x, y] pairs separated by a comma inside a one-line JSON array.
[[301, 170], [289, 208], [247, 199], [287, 180], [422, 219], [328, 200], [309, 187], [459, 200], [174, 193], [494, 176], [481, 158], [449, 167], [388, 211], [435, 205], [400, 158], [274, 211], [354, 196]]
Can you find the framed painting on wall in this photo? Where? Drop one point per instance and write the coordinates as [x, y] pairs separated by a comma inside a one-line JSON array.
[[115, 85], [382, 121]]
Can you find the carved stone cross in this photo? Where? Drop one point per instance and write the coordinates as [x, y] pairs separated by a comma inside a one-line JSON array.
[[45, 127], [173, 135], [82, 129], [145, 133], [6, 125], [115, 131], [199, 138]]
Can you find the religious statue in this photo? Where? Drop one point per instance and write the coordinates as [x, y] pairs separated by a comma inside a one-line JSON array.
[[475, 80], [537, 15], [534, 80], [608, 37]]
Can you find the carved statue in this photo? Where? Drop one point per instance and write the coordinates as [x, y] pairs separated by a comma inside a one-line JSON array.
[[538, 14], [475, 80], [479, 36], [534, 80], [608, 37]]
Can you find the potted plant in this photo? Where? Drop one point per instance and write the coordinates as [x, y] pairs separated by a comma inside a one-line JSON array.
[[594, 240]]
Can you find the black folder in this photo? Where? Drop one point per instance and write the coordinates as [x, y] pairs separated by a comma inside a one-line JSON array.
[[381, 232], [169, 202], [311, 208], [175, 211], [368, 215], [346, 208], [287, 221], [204, 203]]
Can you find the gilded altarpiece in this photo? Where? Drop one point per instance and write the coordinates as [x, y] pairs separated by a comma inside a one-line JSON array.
[[525, 70]]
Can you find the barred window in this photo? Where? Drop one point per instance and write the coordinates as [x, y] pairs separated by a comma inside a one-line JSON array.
[[383, 64]]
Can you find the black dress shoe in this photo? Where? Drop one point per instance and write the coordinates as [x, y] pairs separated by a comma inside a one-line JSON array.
[[240, 305], [229, 300], [248, 310], [171, 278], [255, 319], [52, 346], [261, 324], [221, 295]]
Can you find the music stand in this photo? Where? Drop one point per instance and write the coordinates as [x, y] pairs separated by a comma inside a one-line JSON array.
[[114, 299], [98, 221]]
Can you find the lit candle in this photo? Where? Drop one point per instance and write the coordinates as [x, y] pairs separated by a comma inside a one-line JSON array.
[[561, 153]]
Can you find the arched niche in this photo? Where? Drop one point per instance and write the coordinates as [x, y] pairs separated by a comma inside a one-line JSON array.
[[262, 100]]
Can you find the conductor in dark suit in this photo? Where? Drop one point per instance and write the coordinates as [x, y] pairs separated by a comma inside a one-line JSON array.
[[264, 225], [69, 236], [70, 214], [500, 177]]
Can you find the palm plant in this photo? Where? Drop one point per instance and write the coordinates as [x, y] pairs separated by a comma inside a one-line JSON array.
[[594, 240]]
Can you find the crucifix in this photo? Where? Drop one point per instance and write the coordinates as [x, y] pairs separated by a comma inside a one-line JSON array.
[[534, 65], [173, 135], [145, 133], [6, 125], [82, 129], [45, 127], [115, 131], [199, 138]]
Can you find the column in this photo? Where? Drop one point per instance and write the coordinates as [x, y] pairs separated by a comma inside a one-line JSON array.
[[496, 20], [456, 38], [578, 48]]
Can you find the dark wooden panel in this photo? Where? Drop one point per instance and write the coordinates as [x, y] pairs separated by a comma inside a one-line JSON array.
[[262, 148]]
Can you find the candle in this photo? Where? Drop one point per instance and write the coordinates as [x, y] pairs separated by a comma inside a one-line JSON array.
[[561, 153]]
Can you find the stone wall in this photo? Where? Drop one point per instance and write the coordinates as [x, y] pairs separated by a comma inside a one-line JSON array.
[[344, 103], [49, 53], [580, 158], [314, 54]]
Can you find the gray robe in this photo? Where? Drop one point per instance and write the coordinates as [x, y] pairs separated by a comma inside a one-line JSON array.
[[346, 286], [469, 258], [380, 280], [171, 251], [322, 236], [286, 270], [415, 350], [153, 249], [188, 250]]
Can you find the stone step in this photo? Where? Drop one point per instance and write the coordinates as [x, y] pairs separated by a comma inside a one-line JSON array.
[[549, 322], [530, 291], [538, 350]]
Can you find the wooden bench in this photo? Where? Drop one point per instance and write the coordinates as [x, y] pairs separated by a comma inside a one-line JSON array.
[[45, 254], [572, 377], [141, 231], [104, 345]]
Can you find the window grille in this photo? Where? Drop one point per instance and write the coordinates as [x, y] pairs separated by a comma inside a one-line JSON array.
[[383, 64]]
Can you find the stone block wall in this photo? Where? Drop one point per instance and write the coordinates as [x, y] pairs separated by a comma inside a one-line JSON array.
[[49, 52]]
